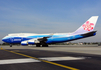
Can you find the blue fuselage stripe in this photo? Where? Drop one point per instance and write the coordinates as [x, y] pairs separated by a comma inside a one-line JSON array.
[[53, 39]]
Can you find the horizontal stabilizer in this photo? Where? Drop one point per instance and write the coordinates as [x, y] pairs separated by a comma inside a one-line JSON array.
[[89, 33]]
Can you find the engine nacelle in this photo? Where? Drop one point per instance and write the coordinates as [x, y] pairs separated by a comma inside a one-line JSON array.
[[24, 43], [32, 41]]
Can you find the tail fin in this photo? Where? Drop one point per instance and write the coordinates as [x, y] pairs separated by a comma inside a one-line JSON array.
[[88, 26]]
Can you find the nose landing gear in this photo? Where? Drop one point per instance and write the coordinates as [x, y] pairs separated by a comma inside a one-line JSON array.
[[10, 45]]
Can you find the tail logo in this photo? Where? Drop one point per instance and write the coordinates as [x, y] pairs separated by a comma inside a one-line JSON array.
[[88, 26]]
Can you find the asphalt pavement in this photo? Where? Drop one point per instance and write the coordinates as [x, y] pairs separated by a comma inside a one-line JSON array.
[[49, 58]]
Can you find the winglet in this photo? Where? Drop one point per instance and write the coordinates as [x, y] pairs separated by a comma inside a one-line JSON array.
[[88, 26]]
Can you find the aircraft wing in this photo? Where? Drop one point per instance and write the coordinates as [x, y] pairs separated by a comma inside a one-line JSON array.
[[44, 38], [37, 40]]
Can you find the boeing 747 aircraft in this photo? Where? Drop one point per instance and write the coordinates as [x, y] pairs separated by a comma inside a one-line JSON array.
[[86, 30]]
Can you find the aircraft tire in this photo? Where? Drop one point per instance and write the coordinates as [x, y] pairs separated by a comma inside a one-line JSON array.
[[37, 45], [45, 45], [10, 45]]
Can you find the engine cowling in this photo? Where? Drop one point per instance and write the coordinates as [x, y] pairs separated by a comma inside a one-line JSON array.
[[24, 43], [32, 41]]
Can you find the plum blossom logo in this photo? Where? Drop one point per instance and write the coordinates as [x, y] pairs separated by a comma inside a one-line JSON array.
[[88, 26]]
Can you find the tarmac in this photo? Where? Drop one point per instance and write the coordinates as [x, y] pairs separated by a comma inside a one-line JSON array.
[[88, 49], [54, 57]]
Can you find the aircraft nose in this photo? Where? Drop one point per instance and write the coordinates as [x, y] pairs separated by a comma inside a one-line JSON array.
[[5, 39]]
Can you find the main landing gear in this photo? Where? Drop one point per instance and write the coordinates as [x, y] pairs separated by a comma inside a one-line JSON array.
[[43, 45], [38, 45]]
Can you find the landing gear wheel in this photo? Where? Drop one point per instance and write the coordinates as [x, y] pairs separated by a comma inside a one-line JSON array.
[[37, 45], [10, 45], [45, 45]]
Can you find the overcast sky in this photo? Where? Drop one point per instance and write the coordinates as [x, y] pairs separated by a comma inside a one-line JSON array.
[[48, 16]]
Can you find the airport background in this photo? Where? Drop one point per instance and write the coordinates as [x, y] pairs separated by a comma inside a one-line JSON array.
[[48, 16]]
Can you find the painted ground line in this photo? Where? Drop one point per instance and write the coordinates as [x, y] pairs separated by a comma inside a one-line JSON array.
[[28, 60], [62, 58], [14, 61], [53, 63]]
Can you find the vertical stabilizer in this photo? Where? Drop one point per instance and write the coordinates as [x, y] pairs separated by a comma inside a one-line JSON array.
[[88, 26]]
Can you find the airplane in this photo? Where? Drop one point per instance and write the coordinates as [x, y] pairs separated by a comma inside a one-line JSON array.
[[86, 30]]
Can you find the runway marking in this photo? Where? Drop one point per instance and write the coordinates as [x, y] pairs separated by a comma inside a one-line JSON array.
[[53, 63], [27, 60], [62, 58], [13, 61]]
